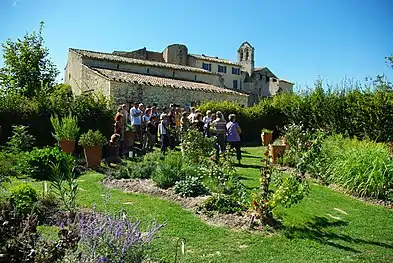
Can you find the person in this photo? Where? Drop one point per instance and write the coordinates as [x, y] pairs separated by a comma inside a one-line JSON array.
[[198, 123], [233, 137], [219, 130], [113, 153], [136, 120], [119, 129], [162, 129], [154, 111], [125, 114], [150, 135], [191, 116], [178, 117], [184, 122], [206, 120]]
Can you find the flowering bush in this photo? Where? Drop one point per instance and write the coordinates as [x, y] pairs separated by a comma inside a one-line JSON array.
[[195, 146], [225, 204], [191, 187], [114, 239]]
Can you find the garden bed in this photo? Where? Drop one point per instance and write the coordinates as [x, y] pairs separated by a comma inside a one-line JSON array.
[[145, 186]]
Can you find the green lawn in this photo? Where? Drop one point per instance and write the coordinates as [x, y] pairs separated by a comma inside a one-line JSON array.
[[325, 227]]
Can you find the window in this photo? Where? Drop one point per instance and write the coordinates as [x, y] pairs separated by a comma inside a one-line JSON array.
[[274, 80], [117, 66], [240, 85], [207, 66], [260, 77], [222, 69], [260, 90], [236, 71], [235, 84], [148, 71]]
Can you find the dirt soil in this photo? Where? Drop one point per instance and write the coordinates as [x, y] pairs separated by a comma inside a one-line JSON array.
[[142, 186]]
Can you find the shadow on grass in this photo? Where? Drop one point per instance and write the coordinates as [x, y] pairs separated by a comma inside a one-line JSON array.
[[254, 166], [317, 230], [252, 156]]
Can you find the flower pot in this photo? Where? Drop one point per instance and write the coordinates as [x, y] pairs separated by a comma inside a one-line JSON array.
[[67, 146], [93, 155], [276, 151], [266, 138], [129, 139]]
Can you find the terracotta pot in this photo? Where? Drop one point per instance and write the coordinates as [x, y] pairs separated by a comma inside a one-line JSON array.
[[93, 155], [266, 138], [276, 151], [67, 146], [129, 139]]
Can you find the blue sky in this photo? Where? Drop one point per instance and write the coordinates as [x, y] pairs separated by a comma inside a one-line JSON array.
[[298, 40]]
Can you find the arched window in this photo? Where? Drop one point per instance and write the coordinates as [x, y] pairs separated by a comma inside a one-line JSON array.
[[247, 55], [241, 55]]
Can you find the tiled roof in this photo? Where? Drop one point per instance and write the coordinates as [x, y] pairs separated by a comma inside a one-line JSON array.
[[283, 80], [122, 76], [214, 59], [112, 57], [258, 69]]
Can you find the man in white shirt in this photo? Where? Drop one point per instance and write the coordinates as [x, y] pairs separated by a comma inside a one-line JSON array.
[[162, 129], [136, 120], [191, 116]]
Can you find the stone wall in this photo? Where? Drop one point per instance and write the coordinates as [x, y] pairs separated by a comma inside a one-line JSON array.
[[73, 73], [163, 96], [94, 82]]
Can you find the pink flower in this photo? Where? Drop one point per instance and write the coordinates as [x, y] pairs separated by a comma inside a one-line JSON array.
[[211, 158]]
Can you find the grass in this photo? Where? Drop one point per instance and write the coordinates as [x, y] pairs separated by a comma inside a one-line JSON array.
[[327, 226]]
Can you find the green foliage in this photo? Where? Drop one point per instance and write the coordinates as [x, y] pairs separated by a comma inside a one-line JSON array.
[[39, 162], [64, 184], [289, 190], [173, 169], [9, 166], [266, 131], [355, 109], [65, 128], [363, 167], [191, 187], [141, 170], [26, 64], [21, 140], [23, 197], [92, 138], [195, 146], [224, 204]]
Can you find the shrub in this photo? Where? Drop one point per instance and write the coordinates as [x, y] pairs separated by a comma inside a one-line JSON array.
[[141, 170], [64, 184], [92, 138], [363, 167], [21, 140], [39, 162], [221, 203], [23, 197], [195, 146], [113, 238], [190, 187], [65, 128], [9, 165], [169, 171]]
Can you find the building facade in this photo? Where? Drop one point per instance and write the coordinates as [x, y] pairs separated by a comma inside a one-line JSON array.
[[171, 76]]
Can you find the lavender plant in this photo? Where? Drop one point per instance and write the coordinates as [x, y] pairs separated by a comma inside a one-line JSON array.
[[114, 239]]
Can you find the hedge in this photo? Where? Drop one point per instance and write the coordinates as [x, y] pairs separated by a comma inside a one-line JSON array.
[[352, 112], [93, 112]]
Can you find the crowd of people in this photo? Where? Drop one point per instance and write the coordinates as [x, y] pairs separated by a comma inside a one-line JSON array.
[[152, 125]]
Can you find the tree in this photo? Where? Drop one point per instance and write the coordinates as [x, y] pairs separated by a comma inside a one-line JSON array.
[[27, 66], [389, 60]]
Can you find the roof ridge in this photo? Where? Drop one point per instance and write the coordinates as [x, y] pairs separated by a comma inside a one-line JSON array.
[[157, 80], [141, 61]]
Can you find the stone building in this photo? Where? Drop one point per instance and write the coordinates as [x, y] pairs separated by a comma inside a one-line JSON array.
[[171, 76]]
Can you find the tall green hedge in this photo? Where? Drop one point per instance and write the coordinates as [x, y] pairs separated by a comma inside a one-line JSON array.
[[352, 112], [93, 112]]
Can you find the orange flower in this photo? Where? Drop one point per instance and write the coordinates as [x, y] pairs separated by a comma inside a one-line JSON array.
[[254, 203]]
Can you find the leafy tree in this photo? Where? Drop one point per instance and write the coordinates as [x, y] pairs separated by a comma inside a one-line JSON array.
[[27, 66], [389, 60]]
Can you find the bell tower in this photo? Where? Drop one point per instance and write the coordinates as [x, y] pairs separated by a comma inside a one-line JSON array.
[[245, 57]]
